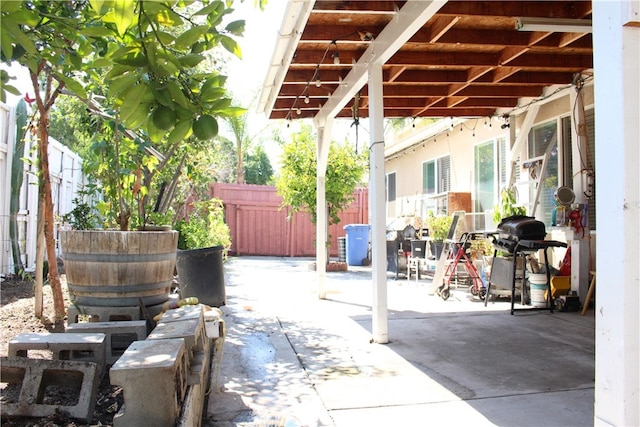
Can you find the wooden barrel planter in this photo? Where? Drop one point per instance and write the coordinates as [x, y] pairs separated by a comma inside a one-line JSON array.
[[117, 268]]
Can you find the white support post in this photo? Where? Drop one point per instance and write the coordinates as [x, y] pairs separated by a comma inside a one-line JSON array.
[[377, 206], [616, 59], [322, 227]]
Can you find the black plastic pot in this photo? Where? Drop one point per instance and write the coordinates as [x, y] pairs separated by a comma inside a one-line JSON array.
[[201, 275]]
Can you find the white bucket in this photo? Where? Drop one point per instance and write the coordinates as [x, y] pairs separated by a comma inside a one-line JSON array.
[[538, 287]]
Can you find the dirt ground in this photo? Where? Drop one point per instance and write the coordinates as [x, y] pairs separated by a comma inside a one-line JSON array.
[[17, 316]]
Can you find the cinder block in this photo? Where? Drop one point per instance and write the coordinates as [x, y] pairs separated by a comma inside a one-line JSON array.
[[35, 378], [194, 335], [186, 312], [119, 335], [102, 314], [68, 346], [152, 374]]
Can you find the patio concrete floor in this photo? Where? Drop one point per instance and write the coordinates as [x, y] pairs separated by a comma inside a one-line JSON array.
[[291, 359]]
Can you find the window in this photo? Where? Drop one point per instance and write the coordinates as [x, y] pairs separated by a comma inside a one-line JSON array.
[[543, 142], [390, 186], [436, 176], [485, 176]]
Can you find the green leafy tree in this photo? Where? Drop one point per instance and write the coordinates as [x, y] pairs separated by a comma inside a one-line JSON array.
[[296, 183], [258, 169], [127, 52]]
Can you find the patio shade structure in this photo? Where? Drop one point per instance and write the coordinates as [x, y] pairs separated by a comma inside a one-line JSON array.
[[419, 58], [465, 58]]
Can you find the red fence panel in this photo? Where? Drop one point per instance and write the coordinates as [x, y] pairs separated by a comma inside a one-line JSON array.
[[259, 226]]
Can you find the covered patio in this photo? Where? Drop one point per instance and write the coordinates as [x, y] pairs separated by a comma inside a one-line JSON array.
[[383, 59]]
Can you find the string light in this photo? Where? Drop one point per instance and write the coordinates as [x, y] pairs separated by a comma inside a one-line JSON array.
[[335, 55]]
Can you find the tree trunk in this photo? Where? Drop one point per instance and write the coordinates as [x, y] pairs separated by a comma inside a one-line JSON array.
[[44, 186], [240, 165], [45, 192], [38, 289]]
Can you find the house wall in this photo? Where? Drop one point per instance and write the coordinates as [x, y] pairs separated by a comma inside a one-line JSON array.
[[459, 142]]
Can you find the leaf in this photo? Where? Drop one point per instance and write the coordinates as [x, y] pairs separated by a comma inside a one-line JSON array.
[[236, 27], [96, 5], [131, 99], [212, 93], [216, 6], [190, 36], [96, 31], [154, 132], [176, 94], [124, 12], [165, 65], [190, 60], [74, 86], [181, 131], [130, 55], [231, 45], [25, 17], [10, 6], [19, 37], [117, 70], [5, 42], [169, 18], [165, 38], [122, 83]]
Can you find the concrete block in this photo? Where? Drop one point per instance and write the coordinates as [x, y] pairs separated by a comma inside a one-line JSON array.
[[153, 376], [186, 312], [88, 347], [119, 335], [34, 381], [102, 314], [194, 335]]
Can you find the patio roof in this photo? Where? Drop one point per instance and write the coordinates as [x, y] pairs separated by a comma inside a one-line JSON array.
[[457, 58]]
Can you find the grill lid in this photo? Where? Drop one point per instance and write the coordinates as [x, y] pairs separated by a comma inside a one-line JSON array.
[[522, 227]]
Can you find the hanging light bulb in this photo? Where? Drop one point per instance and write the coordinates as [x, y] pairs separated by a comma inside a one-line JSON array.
[[336, 57], [306, 98], [299, 110]]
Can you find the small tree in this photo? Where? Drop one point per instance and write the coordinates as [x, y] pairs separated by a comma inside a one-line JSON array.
[[297, 180]]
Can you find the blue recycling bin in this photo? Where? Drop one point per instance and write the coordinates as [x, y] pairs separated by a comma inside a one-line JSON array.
[[357, 243]]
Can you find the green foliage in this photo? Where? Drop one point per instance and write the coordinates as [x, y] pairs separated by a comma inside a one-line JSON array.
[[205, 227], [257, 168], [82, 217], [507, 206], [135, 57], [297, 181], [438, 226]]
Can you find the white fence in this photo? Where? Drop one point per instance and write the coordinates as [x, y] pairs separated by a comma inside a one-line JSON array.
[[66, 180]]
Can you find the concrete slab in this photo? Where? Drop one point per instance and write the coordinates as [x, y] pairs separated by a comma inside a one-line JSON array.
[[453, 362]]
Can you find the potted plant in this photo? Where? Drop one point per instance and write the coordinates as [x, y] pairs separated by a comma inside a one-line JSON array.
[[203, 244], [438, 230], [508, 206]]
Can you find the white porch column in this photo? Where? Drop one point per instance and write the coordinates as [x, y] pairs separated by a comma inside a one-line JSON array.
[[377, 206], [616, 42], [322, 224]]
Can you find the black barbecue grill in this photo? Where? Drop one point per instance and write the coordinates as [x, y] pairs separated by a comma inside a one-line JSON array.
[[515, 228], [517, 235]]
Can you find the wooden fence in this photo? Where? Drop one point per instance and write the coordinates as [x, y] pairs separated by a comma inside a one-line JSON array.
[[259, 225]]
